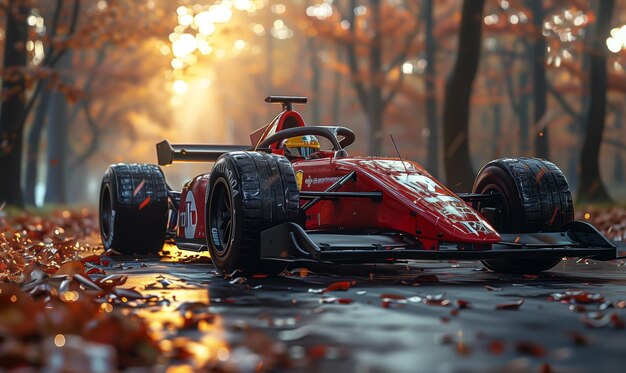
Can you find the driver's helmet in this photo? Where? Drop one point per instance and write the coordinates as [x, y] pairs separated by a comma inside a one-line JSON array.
[[300, 146]]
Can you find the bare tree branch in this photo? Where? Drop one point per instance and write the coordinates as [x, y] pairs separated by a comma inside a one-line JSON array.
[[53, 30], [95, 138], [93, 124], [50, 61], [507, 61], [564, 104], [393, 91], [619, 145], [408, 41]]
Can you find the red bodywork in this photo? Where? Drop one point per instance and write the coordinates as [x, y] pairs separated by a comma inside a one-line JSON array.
[[413, 201]]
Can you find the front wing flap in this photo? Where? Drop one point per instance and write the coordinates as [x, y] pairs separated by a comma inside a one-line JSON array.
[[289, 241]]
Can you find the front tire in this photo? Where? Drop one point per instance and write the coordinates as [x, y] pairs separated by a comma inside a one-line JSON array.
[[133, 208], [535, 197], [249, 192]]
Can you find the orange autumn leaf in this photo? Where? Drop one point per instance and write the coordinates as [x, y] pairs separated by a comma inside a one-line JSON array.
[[74, 267]]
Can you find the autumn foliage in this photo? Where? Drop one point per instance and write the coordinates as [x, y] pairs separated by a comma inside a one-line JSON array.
[[53, 314]]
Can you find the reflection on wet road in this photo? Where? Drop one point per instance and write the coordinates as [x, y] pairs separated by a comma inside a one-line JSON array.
[[417, 317]]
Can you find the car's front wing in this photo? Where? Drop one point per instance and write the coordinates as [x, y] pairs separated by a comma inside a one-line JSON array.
[[289, 241]]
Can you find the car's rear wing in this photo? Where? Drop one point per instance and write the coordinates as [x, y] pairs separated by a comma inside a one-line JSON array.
[[169, 153]]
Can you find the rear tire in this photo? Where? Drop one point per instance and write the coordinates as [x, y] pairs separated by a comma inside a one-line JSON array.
[[249, 192], [133, 208], [535, 198]]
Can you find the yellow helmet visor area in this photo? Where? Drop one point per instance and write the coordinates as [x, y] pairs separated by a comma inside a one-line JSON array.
[[301, 146]]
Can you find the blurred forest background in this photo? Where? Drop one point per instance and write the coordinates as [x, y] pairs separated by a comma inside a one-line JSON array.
[[86, 83]]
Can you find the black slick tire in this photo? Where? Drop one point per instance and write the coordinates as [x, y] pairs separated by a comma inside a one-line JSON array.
[[535, 197], [248, 193], [133, 208]]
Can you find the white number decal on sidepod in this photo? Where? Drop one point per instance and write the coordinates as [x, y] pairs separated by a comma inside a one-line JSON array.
[[189, 216]]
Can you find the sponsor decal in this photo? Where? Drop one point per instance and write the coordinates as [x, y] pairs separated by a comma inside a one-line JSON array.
[[476, 227], [299, 177], [216, 237], [396, 166], [320, 180], [221, 167], [449, 206], [189, 216]]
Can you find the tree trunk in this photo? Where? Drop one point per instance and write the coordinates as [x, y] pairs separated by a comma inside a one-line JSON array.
[[316, 73], [591, 187], [496, 139], [57, 133], [370, 96], [57, 156], [269, 52], [539, 82], [432, 159], [618, 167], [375, 100], [336, 104], [524, 104], [34, 147], [519, 97], [13, 112], [58, 139], [375, 120], [457, 162]]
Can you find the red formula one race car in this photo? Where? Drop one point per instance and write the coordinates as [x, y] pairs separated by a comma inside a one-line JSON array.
[[296, 194]]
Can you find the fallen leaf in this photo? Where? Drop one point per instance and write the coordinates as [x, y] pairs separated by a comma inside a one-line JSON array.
[[463, 349], [87, 282], [327, 300], [96, 271], [579, 338], [545, 368], [530, 348], [617, 322], [577, 296], [236, 281], [436, 300], [95, 259], [300, 272], [510, 305], [71, 268], [492, 288], [496, 347], [317, 352], [425, 279], [340, 285], [392, 296], [446, 339], [128, 293]]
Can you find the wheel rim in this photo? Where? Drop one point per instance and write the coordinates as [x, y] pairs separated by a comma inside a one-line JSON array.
[[106, 212], [221, 217]]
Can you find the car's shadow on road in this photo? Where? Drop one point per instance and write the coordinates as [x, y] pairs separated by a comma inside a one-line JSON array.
[[431, 276]]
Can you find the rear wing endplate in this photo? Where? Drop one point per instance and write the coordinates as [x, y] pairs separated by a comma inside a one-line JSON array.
[[169, 153]]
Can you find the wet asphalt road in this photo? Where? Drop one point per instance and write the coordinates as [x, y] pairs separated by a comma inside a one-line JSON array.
[[392, 320]]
